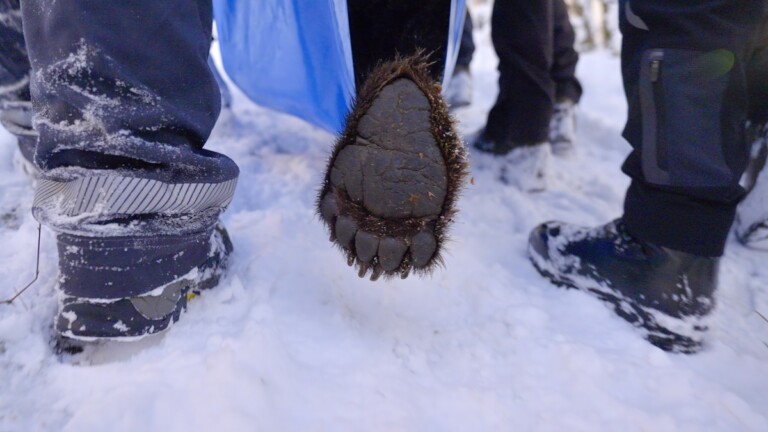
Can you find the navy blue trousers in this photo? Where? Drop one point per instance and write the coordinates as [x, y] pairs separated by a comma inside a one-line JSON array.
[[138, 70], [686, 71]]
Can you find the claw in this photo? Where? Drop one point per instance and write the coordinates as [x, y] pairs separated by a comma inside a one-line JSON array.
[[350, 260], [405, 271], [363, 269], [377, 272]]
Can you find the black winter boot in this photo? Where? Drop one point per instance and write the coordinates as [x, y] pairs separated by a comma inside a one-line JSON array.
[[665, 293]]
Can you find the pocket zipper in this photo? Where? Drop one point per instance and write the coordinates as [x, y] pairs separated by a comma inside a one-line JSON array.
[[658, 97]]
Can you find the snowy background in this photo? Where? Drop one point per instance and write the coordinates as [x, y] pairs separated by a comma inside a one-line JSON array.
[[292, 340]]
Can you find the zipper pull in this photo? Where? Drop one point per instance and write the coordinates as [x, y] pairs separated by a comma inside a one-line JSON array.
[[655, 70]]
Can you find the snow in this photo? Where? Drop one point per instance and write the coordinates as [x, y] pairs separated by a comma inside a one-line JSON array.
[[292, 340]]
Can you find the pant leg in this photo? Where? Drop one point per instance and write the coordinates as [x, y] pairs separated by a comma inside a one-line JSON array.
[[124, 101], [15, 106], [564, 57], [522, 32], [14, 66], [684, 75], [467, 44], [382, 29], [757, 75]]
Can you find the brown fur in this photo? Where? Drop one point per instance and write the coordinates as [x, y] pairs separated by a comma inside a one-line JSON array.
[[443, 129]]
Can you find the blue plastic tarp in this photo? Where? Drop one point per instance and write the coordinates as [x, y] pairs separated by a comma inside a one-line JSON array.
[[295, 56]]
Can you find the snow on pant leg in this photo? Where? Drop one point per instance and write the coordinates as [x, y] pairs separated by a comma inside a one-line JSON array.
[[124, 101], [467, 44], [522, 32], [685, 79], [564, 56]]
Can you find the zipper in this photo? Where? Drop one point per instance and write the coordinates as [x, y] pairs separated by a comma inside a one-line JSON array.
[[655, 72]]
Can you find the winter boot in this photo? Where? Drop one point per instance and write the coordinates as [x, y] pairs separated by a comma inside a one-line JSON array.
[[752, 214], [562, 128], [134, 243], [665, 293], [83, 317], [459, 90], [395, 173], [524, 166]]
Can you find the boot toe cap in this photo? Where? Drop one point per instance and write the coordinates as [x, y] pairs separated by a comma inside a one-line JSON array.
[[540, 239]]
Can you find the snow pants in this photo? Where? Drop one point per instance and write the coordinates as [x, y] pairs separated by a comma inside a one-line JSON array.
[[691, 75], [124, 101], [537, 67], [14, 66], [381, 29], [15, 106]]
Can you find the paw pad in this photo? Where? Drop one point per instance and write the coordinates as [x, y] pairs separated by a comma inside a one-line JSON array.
[[395, 174]]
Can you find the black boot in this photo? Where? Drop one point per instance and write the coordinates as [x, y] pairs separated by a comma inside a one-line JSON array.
[[665, 293]]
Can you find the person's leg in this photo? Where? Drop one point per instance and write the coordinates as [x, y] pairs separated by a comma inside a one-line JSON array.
[[562, 130], [517, 128], [685, 80], [564, 56], [381, 29], [752, 213], [522, 36], [124, 101], [467, 44], [459, 90], [684, 71], [15, 106], [14, 66]]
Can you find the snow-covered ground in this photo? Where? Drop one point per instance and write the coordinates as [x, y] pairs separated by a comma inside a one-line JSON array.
[[292, 340]]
